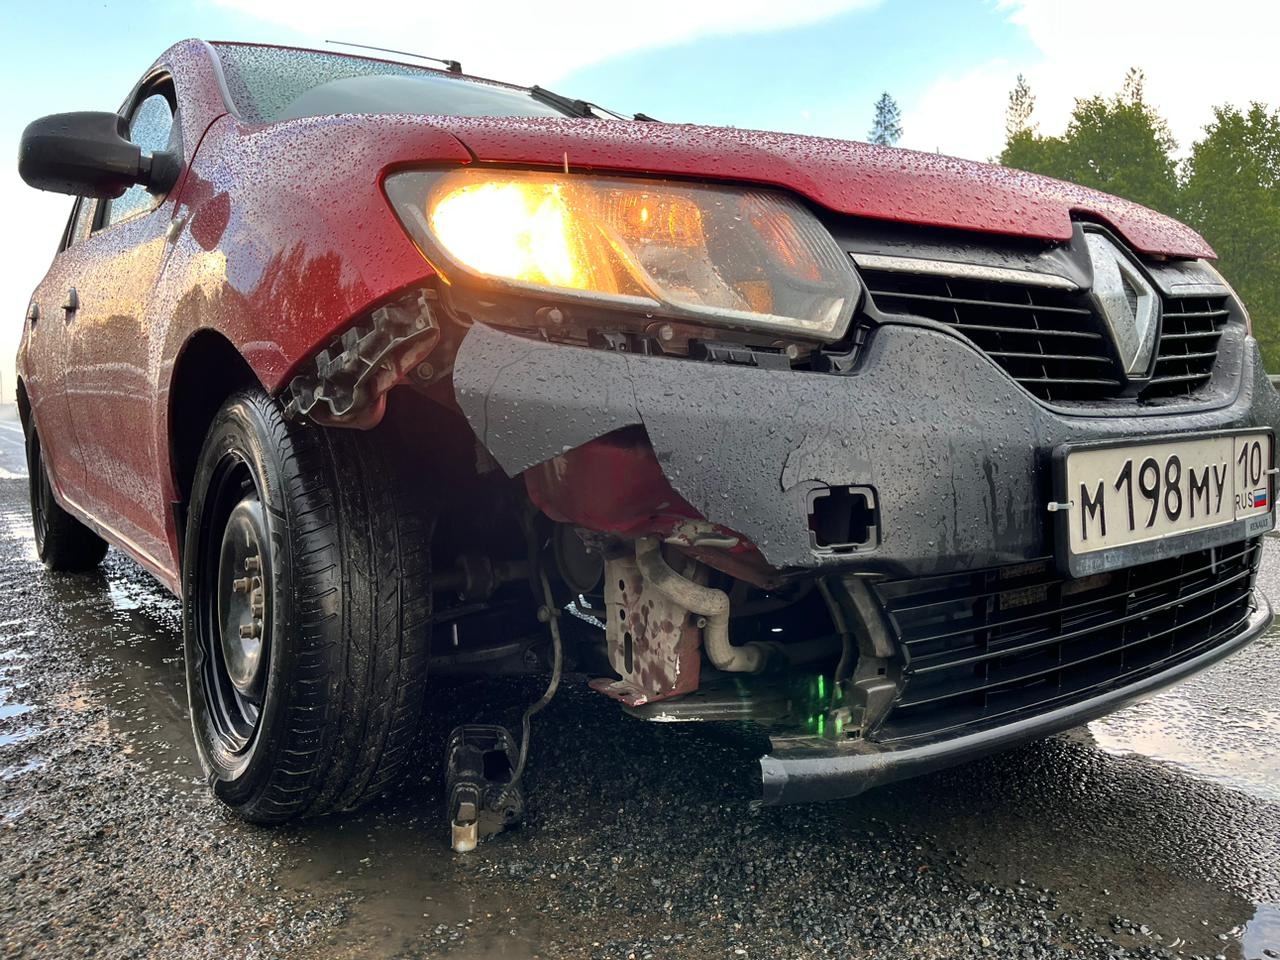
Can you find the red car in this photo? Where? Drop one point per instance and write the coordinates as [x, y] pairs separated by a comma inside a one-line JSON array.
[[390, 371]]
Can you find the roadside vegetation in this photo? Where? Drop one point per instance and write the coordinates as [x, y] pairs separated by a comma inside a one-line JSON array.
[[1227, 185]]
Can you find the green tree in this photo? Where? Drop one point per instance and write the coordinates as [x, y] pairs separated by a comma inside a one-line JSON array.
[[1231, 194], [1118, 144], [1022, 103], [887, 128]]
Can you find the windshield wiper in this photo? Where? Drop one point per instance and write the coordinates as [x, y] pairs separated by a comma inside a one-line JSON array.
[[578, 108]]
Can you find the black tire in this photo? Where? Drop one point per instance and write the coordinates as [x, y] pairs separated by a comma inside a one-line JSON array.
[[63, 543], [341, 596]]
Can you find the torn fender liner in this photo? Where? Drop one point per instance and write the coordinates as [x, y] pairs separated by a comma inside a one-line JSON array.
[[808, 769], [958, 454]]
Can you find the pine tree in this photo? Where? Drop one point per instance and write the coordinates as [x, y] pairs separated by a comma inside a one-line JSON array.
[[1022, 103], [1117, 144], [1134, 87], [887, 128]]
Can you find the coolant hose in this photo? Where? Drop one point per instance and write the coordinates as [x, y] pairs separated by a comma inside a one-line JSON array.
[[706, 602]]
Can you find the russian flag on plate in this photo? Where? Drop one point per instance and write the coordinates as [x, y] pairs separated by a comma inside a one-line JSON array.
[[1258, 498]]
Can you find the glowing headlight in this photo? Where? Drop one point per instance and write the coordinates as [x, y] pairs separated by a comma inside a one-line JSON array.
[[742, 258]]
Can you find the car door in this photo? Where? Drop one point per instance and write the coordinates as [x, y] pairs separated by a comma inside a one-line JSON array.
[[110, 388], [44, 354]]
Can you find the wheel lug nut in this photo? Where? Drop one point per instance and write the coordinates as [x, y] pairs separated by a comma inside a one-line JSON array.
[[249, 631], [252, 563], [256, 608], [241, 584]]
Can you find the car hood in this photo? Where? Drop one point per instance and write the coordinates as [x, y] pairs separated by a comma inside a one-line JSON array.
[[858, 179]]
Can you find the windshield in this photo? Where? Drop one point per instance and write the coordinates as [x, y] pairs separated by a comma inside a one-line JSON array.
[[276, 83]]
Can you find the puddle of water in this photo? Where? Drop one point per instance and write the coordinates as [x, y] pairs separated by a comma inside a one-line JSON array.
[[126, 624], [15, 770], [396, 862], [25, 733], [11, 664], [122, 596], [1261, 938], [1221, 725], [8, 710]]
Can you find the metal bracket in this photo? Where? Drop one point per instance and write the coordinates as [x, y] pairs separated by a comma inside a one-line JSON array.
[[1055, 506], [653, 642], [354, 373]]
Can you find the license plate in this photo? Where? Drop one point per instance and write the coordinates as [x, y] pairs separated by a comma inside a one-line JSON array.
[[1122, 496]]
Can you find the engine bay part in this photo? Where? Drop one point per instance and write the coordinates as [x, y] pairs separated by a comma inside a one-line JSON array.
[[653, 642], [658, 621], [353, 374], [711, 604], [476, 577]]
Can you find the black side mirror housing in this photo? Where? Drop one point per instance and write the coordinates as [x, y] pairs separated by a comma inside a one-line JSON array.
[[89, 155]]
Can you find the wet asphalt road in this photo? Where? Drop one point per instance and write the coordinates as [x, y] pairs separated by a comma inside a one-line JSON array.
[[1155, 833]]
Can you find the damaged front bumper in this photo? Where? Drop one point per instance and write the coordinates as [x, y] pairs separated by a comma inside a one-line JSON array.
[[956, 456], [958, 462]]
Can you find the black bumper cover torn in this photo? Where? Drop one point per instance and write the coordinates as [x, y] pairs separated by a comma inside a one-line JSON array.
[[958, 454]]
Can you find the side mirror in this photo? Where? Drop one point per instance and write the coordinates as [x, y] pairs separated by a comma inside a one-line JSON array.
[[89, 155]]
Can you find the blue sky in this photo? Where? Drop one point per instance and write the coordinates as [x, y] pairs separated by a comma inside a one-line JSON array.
[[819, 78], [808, 66]]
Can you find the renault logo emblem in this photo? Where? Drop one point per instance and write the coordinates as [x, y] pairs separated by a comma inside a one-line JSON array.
[[1127, 301]]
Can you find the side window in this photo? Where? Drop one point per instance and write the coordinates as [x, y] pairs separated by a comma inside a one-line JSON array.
[[150, 128], [80, 223], [84, 220]]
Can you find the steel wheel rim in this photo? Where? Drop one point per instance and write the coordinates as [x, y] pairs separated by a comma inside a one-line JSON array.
[[234, 592]]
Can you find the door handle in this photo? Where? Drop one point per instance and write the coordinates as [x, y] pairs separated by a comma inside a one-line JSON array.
[[73, 302]]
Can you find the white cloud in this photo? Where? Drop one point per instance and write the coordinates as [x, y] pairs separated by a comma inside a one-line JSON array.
[[1195, 55], [962, 114], [526, 42]]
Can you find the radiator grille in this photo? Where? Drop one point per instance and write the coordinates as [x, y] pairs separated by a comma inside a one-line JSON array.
[[1188, 346], [1052, 341], [983, 647], [1046, 339]]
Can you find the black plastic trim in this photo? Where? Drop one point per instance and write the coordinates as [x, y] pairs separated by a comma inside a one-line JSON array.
[[803, 771], [745, 445]]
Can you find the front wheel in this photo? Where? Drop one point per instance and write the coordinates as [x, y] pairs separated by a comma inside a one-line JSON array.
[[307, 609]]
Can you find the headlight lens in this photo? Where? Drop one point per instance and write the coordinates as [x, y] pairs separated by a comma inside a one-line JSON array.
[[744, 258]]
